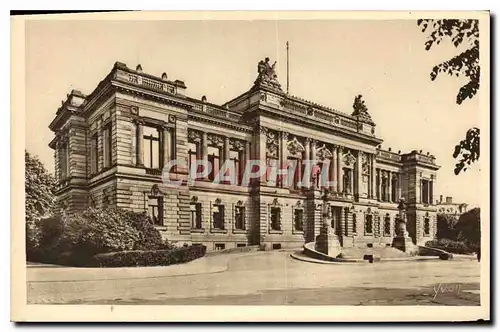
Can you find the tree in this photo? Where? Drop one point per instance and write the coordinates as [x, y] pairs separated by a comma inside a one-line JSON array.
[[464, 33], [446, 226], [469, 227], [39, 188]]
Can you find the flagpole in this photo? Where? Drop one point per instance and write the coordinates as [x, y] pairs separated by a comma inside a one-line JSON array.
[[287, 69]]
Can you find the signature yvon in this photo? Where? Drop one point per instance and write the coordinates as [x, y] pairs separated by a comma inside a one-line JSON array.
[[447, 288]]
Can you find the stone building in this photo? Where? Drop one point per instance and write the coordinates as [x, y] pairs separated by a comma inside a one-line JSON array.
[[111, 147], [447, 206]]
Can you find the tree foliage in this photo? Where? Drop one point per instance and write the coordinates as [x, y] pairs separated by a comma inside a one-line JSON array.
[[39, 188], [446, 226], [469, 227], [466, 64]]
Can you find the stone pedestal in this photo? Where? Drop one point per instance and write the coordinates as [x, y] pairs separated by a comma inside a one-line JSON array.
[[402, 241], [405, 244], [327, 242]]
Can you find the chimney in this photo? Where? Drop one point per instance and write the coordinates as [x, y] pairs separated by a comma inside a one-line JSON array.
[[449, 200], [440, 198]]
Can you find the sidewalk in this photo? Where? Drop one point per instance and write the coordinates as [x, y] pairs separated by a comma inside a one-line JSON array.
[[47, 273]]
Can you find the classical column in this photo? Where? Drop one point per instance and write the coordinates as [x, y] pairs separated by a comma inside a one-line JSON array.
[[359, 173], [307, 165], [340, 179], [284, 157], [400, 185], [140, 152], [333, 169], [379, 193], [430, 191], [167, 146], [260, 150], [420, 190], [204, 151], [389, 186], [373, 176], [248, 155], [226, 150]]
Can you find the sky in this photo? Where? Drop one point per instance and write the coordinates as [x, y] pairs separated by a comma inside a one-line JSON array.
[[330, 63]]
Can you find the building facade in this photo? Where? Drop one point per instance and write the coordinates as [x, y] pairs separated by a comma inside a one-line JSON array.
[[447, 206], [114, 146]]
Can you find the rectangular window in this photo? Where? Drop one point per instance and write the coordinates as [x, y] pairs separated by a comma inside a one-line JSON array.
[[151, 147], [195, 215], [214, 160], [106, 145], [368, 224], [275, 218], [94, 160], [425, 191], [155, 210], [298, 219], [220, 246], [218, 216], [239, 217]]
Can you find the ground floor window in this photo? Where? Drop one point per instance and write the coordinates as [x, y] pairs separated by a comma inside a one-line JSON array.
[[155, 210], [275, 218], [195, 215], [218, 214], [387, 225], [427, 226], [239, 217], [368, 224], [298, 218]]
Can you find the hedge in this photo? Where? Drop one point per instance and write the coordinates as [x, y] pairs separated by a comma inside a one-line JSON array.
[[455, 247], [149, 257]]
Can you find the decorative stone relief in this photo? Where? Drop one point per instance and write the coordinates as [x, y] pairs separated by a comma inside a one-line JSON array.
[[194, 136], [323, 153], [236, 144], [215, 140], [272, 143], [349, 159], [295, 149]]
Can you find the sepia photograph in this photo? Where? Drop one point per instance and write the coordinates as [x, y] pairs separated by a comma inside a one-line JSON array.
[[265, 166]]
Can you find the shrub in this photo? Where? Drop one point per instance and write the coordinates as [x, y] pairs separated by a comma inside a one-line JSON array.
[[149, 237], [456, 247], [96, 231], [149, 257]]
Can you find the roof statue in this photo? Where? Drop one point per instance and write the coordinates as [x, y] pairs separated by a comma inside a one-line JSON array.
[[361, 111], [267, 74]]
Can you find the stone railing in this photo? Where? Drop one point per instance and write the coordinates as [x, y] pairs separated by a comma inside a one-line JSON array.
[[320, 115], [146, 82], [217, 112], [387, 155], [420, 158]]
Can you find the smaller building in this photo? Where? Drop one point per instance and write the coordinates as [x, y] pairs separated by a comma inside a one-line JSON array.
[[449, 207]]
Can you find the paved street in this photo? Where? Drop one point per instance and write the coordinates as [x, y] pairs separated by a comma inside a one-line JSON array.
[[271, 278]]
